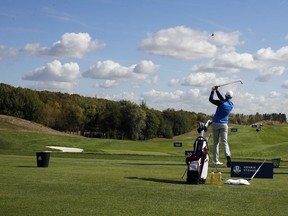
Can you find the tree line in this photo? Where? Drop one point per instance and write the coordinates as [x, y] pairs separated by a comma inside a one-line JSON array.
[[103, 118]]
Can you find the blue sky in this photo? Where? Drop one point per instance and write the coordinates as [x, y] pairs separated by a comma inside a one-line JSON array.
[[158, 51]]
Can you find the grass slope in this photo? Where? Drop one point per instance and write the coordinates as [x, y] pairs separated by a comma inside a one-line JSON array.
[[18, 136], [118, 177]]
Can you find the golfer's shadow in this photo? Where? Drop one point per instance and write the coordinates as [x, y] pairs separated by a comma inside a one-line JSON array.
[[168, 181]]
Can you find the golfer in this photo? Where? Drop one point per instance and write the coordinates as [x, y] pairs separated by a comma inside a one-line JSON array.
[[220, 124]]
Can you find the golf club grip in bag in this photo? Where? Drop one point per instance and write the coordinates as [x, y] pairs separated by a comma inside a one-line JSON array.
[[198, 162]]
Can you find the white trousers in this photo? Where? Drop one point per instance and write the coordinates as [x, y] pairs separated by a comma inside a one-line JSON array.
[[220, 131]]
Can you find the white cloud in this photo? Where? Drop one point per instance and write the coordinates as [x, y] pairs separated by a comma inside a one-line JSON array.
[[107, 70], [274, 94], [54, 86], [191, 100], [285, 84], [145, 67], [55, 71], [111, 70], [197, 100], [6, 52], [179, 42], [71, 45], [200, 80], [131, 96], [227, 62], [153, 80], [162, 96], [248, 103], [227, 40], [268, 73], [267, 54], [185, 43], [265, 62], [107, 84]]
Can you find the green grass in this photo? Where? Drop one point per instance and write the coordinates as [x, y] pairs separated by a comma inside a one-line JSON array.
[[118, 177], [269, 143], [82, 186]]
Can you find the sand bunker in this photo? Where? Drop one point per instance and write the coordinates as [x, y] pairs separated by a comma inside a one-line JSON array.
[[65, 149]]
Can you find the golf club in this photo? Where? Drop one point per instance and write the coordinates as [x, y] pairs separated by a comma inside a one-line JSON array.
[[256, 171], [216, 168], [184, 172], [240, 81]]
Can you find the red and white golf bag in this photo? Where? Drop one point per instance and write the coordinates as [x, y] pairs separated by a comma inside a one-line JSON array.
[[197, 162]]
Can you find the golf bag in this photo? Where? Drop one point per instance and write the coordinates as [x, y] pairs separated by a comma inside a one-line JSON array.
[[197, 162]]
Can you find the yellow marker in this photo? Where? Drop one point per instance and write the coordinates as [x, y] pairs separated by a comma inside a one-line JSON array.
[[212, 177], [219, 178]]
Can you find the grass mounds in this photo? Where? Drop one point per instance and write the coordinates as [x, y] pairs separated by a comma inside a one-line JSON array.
[[18, 124]]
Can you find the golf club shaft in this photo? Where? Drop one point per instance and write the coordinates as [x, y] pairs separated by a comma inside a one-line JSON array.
[[258, 169], [230, 83], [216, 167], [184, 172]]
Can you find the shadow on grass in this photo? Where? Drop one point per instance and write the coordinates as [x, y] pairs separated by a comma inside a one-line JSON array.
[[280, 172], [152, 164], [168, 181], [26, 166]]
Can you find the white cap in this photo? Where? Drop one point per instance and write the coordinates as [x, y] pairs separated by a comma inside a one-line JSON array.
[[229, 94]]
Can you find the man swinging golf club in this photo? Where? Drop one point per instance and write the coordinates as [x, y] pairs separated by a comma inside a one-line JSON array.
[[220, 124]]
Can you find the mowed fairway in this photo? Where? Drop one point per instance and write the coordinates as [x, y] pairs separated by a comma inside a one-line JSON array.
[[142, 179], [77, 186]]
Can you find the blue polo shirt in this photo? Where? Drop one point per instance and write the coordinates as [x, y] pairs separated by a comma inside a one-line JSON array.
[[222, 112], [224, 107]]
